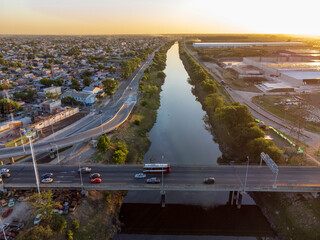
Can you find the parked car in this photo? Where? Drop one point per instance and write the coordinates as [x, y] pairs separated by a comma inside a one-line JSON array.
[[37, 220], [47, 180], [4, 227], [96, 180], [7, 212], [5, 175], [3, 203], [11, 203], [153, 180], [84, 170], [95, 175], [4, 170], [140, 175], [209, 180], [47, 175], [66, 210], [16, 224]]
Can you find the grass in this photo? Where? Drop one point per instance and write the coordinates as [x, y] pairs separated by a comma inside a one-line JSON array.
[[268, 103], [145, 111]]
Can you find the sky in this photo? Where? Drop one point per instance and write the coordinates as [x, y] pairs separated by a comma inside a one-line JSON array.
[[158, 16]]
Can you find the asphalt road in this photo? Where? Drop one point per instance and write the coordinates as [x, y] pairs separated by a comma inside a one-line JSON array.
[[290, 179]]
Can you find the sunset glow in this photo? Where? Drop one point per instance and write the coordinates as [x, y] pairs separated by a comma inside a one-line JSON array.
[[156, 17]]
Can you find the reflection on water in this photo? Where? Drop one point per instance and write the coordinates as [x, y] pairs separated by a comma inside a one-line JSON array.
[[179, 137], [179, 134]]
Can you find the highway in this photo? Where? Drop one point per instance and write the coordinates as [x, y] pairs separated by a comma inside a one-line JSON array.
[[181, 178], [114, 113]]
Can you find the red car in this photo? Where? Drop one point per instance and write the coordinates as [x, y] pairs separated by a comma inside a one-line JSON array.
[[7, 212], [59, 207], [96, 180]]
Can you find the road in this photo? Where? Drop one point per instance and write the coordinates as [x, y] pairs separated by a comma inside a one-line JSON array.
[[181, 178], [114, 113]]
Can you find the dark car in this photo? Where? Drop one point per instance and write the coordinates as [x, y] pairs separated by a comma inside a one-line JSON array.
[[65, 210], [95, 175], [84, 170], [153, 180], [47, 175], [5, 175], [209, 180]]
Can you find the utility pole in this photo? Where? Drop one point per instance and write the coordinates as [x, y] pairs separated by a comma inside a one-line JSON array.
[[22, 143], [57, 151], [34, 163]]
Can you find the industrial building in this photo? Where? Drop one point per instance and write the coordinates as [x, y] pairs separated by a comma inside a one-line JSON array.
[[246, 44]]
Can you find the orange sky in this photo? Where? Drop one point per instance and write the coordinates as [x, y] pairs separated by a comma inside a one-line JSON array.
[[158, 16]]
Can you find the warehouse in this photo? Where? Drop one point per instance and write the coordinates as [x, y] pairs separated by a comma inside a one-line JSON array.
[[247, 44]]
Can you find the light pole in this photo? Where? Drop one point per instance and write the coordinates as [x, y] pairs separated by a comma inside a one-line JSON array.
[[245, 181], [34, 163], [57, 151], [22, 143], [81, 178]]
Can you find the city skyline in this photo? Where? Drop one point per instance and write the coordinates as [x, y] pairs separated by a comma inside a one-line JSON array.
[[156, 17]]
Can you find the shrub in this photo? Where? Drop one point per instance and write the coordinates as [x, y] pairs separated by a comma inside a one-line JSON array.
[[58, 223], [137, 122], [69, 235], [108, 198], [75, 224], [144, 103]]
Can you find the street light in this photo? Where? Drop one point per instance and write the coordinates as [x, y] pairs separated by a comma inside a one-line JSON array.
[[57, 151], [54, 137], [34, 162], [81, 178]]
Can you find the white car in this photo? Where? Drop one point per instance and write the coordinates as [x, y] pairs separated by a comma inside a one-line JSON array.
[[47, 180], [5, 170], [140, 175], [37, 219]]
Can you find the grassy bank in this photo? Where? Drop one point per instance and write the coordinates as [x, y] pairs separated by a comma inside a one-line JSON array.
[[135, 131]]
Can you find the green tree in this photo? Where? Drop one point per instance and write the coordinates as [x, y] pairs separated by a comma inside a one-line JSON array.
[[150, 90], [52, 95], [86, 73], [47, 65], [25, 95], [46, 81], [68, 100], [119, 157], [110, 86], [213, 101], [103, 143], [87, 81], [4, 106], [43, 204], [75, 84], [69, 235], [58, 223], [39, 233], [161, 74]]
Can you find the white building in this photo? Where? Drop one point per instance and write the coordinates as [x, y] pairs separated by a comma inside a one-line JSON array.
[[93, 90], [86, 99], [246, 44]]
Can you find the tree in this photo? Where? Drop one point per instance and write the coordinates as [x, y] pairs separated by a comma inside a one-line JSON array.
[[75, 84], [39, 233], [161, 75], [86, 73], [75, 224], [47, 65], [69, 235], [25, 95], [110, 86], [120, 154], [52, 95], [43, 204], [87, 81], [68, 100], [213, 101], [4, 106], [103, 143], [46, 81], [58, 223], [151, 90]]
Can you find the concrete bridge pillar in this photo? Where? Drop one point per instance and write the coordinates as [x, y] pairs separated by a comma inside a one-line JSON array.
[[163, 198], [235, 197], [230, 198], [239, 200]]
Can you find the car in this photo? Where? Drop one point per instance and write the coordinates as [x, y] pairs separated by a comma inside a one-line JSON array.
[[7, 212], [140, 175], [209, 180], [47, 180], [66, 210], [153, 180], [4, 226], [47, 175], [5, 175], [11, 203], [95, 175], [58, 211], [9, 234], [37, 219], [4, 170], [84, 170], [16, 224], [96, 180], [59, 207], [3, 203]]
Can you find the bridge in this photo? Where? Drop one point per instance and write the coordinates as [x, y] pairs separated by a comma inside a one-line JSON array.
[[181, 178]]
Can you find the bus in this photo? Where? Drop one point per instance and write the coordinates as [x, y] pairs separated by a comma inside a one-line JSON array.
[[156, 168]]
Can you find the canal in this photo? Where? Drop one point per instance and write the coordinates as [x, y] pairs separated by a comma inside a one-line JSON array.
[[180, 137]]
